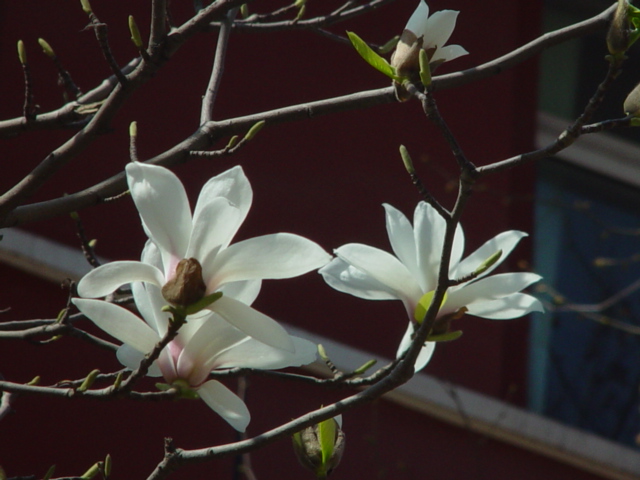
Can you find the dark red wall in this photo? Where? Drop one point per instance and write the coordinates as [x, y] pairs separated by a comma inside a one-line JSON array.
[[324, 178]]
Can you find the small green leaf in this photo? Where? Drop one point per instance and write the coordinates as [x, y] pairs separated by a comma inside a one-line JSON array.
[[406, 159], [49, 473], [92, 472], [22, 52], [86, 384], [107, 466], [425, 69], [135, 32], [232, 142], [371, 57], [445, 337], [488, 263], [133, 129], [253, 131], [423, 305], [46, 48], [365, 367], [86, 6], [203, 303]]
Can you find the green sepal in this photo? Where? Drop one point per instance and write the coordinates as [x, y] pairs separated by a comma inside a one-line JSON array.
[[135, 32], [445, 337], [22, 52], [92, 472], [49, 473], [244, 10], [233, 141], [86, 6], [372, 58], [425, 69], [635, 122], [163, 387], [133, 129], [203, 303], [253, 131], [107, 466], [406, 159], [389, 46], [322, 352], [365, 367], [327, 440], [423, 305], [487, 264]]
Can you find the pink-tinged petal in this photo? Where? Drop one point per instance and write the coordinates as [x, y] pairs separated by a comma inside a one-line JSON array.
[[254, 354], [226, 404], [439, 28], [120, 323], [253, 323], [348, 279], [245, 291], [425, 353], [163, 206], [418, 19], [107, 278], [490, 288], [280, 255], [429, 229], [214, 225], [400, 234], [512, 306], [131, 358], [382, 267], [505, 241], [448, 53], [151, 255], [232, 185]]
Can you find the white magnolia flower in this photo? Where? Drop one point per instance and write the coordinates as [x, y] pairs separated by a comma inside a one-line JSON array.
[[429, 33], [374, 274], [204, 343], [175, 235]]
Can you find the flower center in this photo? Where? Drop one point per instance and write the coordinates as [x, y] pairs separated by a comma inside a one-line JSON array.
[[187, 285]]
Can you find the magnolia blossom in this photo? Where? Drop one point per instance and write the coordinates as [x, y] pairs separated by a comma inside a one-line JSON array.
[[412, 274], [204, 343], [429, 33], [192, 253]]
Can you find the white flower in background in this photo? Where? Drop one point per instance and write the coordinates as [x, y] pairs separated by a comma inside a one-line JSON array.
[[374, 274], [190, 256], [429, 33], [204, 343]]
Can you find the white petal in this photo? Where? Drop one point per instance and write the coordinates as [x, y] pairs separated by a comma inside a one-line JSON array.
[[245, 291], [448, 53], [253, 323], [505, 241], [439, 28], [429, 229], [226, 404], [458, 247], [107, 278], [400, 234], [214, 225], [490, 288], [384, 268], [163, 206], [418, 19], [425, 353], [348, 279], [151, 255], [120, 323], [512, 306], [131, 358], [254, 354], [280, 255], [232, 185], [148, 298]]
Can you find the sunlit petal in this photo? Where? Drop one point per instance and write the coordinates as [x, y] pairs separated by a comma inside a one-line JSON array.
[[429, 229], [253, 323], [348, 279], [512, 306], [439, 28], [163, 206], [418, 19], [131, 358], [400, 234], [226, 404], [214, 225], [490, 288], [425, 353], [448, 53], [119, 322], [245, 291], [107, 278], [254, 354], [506, 241]]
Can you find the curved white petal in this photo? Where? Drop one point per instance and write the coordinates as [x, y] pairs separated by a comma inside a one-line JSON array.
[[245, 291], [280, 255], [505, 241], [149, 300], [131, 358], [107, 278], [226, 404], [163, 206], [425, 353], [348, 279], [254, 354], [384, 268], [400, 234], [418, 19], [429, 229], [232, 185], [214, 225], [490, 288], [448, 53], [119, 323], [253, 323], [439, 28], [151, 255], [458, 247], [512, 306]]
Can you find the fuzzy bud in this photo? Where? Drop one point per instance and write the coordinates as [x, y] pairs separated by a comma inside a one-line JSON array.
[[187, 286], [618, 34], [320, 447]]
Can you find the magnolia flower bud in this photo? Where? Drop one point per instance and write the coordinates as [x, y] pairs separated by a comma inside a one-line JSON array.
[[618, 35], [405, 59], [187, 286], [320, 447]]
